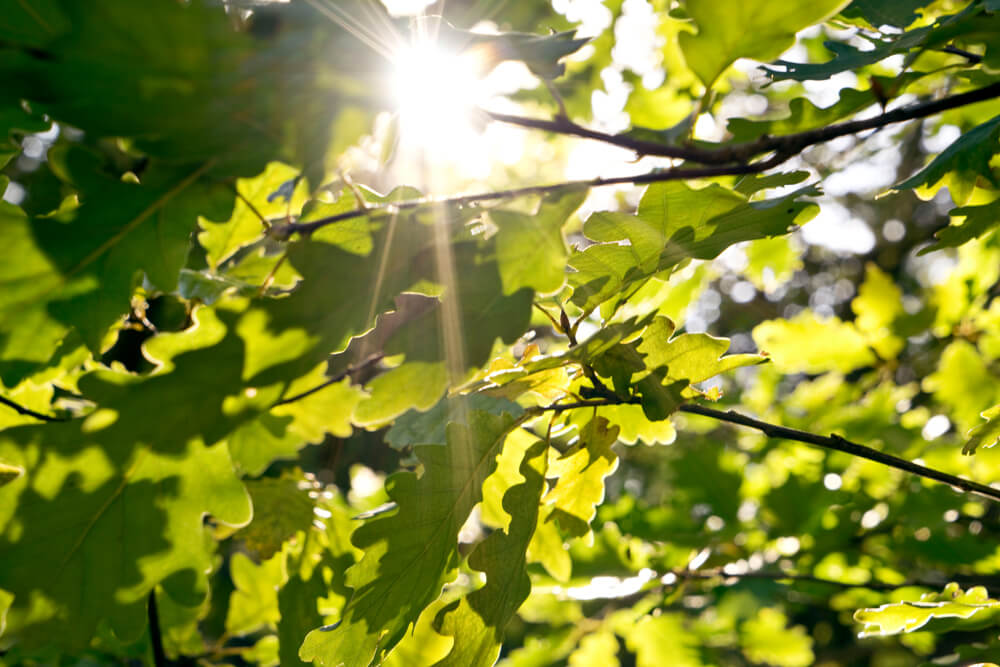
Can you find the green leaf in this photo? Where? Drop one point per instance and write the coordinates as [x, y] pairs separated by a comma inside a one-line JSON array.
[[952, 609], [804, 115], [9, 473], [653, 637], [139, 466], [597, 649], [478, 620], [978, 221], [984, 435], [157, 499], [848, 57], [772, 262], [766, 639], [531, 251], [808, 344], [254, 603], [689, 357], [963, 383], [409, 552], [962, 164], [878, 304], [754, 29], [430, 428], [548, 548], [255, 200], [899, 13], [580, 474], [674, 223], [322, 412], [257, 443], [281, 509], [81, 266]]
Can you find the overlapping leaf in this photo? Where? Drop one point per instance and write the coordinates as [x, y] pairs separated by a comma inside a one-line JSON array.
[[409, 551], [757, 29], [581, 471], [478, 620], [674, 222], [979, 220], [962, 164], [984, 435], [531, 251], [141, 472]]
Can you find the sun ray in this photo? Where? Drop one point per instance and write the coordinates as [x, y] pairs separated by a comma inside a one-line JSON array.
[[354, 26]]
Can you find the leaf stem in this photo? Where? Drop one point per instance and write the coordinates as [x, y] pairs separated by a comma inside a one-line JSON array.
[[372, 359], [21, 410], [155, 635]]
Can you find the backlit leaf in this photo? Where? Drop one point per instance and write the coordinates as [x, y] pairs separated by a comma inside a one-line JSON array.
[[953, 608], [756, 29], [808, 344], [409, 552], [478, 620]]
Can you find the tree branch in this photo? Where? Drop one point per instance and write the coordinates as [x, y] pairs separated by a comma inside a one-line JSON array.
[[731, 160], [832, 441], [789, 144], [283, 231], [839, 444], [21, 410]]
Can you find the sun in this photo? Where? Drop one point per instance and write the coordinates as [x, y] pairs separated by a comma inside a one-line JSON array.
[[436, 92]]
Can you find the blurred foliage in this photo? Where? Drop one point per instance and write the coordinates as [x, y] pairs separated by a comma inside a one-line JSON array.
[[453, 431]]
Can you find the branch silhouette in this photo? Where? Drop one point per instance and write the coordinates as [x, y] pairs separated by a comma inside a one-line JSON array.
[[832, 441], [732, 160]]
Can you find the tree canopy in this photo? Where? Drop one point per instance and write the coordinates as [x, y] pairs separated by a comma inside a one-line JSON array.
[[633, 332]]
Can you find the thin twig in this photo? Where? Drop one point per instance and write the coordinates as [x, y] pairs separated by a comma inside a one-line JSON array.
[[21, 410], [832, 441], [973, 58], [839, 444], [720, 573], [155, 635], [373, 359], [596, 403]]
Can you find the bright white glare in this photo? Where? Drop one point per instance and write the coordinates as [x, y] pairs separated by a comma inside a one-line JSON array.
[[870, 519], [15, 193], [611, 587], [699, 559], [832, 481], [835, 228], [788, 546], [591, 15], [406, 7], [435, 92], [743, 292], [935, 427], [893, 231]]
